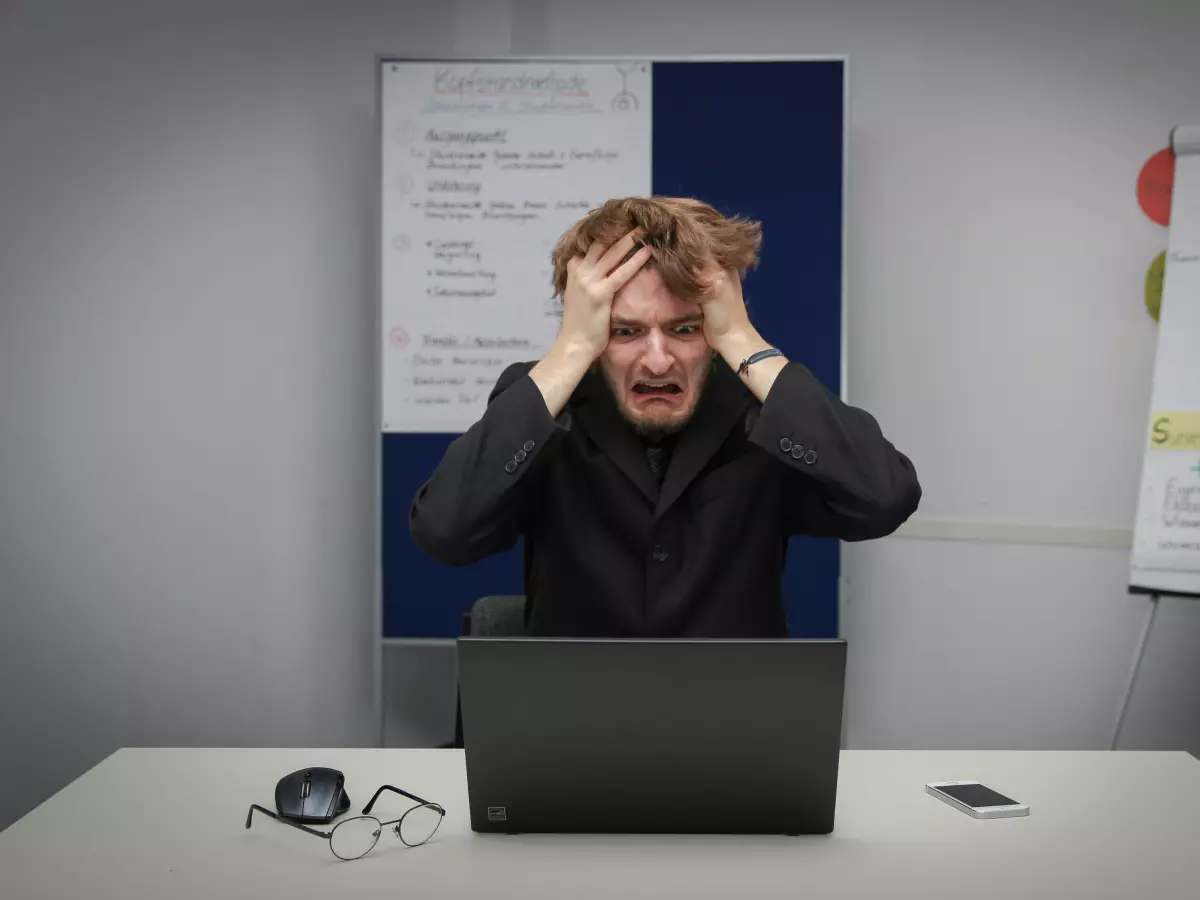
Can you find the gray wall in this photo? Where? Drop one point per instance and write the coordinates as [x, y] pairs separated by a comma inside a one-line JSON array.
[[187, 343], [188, 429]]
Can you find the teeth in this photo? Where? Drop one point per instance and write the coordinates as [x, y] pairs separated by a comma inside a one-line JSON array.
[[657, 387]]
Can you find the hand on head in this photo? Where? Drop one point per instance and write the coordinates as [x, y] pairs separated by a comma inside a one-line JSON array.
[[723, 305], [593, 279]]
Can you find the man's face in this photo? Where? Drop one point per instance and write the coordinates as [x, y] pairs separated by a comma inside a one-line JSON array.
[[657, 359]]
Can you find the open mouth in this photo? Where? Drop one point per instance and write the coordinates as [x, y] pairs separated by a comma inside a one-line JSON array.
[[657, 388]]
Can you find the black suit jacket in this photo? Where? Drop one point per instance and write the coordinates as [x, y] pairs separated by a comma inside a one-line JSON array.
[[608, 553]]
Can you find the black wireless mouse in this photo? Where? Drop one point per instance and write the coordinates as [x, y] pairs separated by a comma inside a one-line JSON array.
[[312, 796]]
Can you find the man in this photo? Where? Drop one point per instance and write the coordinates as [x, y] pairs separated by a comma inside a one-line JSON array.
[[657, 458]]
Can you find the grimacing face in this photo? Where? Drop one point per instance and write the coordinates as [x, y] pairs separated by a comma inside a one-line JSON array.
[[657, 359]]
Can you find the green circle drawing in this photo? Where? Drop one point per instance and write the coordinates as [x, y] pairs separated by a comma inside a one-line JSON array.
[[1154, 285]]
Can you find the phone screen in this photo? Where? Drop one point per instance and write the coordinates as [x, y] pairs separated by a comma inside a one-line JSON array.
[[975, 795]]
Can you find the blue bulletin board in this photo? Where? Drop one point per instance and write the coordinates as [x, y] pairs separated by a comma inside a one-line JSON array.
[[764, 138]]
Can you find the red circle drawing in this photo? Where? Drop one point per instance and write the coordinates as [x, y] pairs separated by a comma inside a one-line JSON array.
[[398, 337], [1154, 186], [401, 242]]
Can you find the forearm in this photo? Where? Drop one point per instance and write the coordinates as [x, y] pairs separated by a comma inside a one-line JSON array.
[[471, 504], [559, 373], [759, 377], [842, 477]]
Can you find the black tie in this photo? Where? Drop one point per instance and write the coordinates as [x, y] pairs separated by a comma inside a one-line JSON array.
[[658, 456]]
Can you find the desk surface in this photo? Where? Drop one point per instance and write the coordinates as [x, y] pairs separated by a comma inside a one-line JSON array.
[[1100, 825]]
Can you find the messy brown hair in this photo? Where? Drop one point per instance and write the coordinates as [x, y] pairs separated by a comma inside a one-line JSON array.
[[687, 238]]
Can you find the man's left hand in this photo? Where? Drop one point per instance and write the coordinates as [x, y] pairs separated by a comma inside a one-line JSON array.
[[728, 330], [725, 316], [727, 325]]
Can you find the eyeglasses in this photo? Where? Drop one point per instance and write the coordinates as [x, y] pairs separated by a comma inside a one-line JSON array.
[[353, 838]]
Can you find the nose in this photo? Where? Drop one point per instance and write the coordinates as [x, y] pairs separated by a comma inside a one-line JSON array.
[[657, 359]]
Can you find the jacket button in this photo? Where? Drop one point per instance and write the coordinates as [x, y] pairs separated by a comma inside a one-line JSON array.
[[520, 456], [529, 445], [660, 553], [798, 451], [785, 445], [510, 467], [810, 457]]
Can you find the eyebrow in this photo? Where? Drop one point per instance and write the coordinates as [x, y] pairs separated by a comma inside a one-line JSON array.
[[691, 319]]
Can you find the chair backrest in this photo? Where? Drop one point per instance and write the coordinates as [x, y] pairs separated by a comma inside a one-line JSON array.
[[501, 615]]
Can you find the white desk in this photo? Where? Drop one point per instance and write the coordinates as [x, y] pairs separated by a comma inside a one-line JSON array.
[[1101, 825]]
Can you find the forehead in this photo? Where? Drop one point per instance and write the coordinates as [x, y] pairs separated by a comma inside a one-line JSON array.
[[646, 300]]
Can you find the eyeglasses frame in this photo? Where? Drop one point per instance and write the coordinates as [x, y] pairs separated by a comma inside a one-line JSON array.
[[328, 835]]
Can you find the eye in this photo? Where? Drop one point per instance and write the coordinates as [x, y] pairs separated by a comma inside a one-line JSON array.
[[622, 331], [685, 330]]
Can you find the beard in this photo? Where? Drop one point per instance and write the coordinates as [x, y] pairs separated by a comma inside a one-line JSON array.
[[656, 425]]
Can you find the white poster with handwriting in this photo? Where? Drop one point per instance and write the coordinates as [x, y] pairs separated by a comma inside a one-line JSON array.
[[484, 166], [1166, 547]]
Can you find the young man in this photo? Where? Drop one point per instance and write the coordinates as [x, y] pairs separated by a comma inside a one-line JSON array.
[[657, 458]]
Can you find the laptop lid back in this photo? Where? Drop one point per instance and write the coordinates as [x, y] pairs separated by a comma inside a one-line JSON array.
[[645, 736]]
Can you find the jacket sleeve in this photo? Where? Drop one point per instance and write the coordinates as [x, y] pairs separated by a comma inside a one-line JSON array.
[[472, 504], [840, 477]]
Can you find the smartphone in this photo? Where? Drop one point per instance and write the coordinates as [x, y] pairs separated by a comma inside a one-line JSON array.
[[976, 800]]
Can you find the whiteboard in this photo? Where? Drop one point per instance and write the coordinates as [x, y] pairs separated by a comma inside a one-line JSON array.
[[788, 174], [483, 169], [1166, 546]]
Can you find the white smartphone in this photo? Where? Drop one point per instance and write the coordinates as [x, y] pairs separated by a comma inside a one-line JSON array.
[[976, 800]]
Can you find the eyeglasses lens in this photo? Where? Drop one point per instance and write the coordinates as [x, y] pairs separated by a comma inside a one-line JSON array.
[[355, 837], [419, 824]]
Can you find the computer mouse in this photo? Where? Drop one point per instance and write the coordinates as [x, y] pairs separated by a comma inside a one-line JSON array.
[[313, 795]]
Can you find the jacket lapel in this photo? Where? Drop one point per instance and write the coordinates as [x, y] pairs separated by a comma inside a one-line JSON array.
[[603, 423], [720, 407]]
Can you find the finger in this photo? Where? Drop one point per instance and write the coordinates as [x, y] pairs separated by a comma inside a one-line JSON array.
[[716, 280], [628, 269], [618, 251], [712, 280], [594, 252]]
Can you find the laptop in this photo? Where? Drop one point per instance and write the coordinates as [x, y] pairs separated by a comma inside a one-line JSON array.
[[570, 735]]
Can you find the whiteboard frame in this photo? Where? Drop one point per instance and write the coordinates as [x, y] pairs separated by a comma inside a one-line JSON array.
[[382, 59]]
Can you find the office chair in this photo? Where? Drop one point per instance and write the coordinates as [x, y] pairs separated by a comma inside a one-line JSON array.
[[501, 615]]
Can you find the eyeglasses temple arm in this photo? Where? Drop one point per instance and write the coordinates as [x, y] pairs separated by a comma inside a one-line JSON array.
[[277, 818], [388, 787]]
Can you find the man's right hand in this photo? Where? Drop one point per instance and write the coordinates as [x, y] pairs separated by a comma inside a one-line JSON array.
[[592, 281]]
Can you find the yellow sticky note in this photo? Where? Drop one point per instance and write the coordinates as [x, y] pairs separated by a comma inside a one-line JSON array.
[[1175, 431]]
